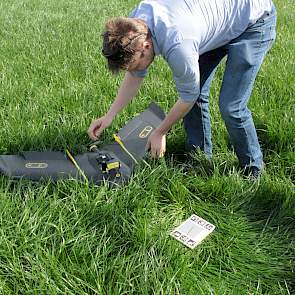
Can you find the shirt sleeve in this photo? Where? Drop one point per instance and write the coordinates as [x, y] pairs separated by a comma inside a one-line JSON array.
[[184, 63]]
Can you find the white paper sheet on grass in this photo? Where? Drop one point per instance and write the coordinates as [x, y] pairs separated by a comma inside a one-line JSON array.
[[192, 231]]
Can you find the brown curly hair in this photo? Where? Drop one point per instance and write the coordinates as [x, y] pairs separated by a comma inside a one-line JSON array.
[[120, 41]]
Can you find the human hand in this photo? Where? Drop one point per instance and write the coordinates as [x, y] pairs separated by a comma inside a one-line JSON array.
[[156, 144], [97, 126]]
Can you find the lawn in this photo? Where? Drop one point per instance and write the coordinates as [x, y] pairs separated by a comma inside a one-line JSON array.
[[74, 238]]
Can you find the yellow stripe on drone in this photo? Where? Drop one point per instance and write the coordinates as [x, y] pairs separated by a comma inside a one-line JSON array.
[[76, 165], [119, 141]]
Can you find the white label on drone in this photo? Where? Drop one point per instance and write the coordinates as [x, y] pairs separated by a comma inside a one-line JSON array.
[[145, 132], [36, 165]]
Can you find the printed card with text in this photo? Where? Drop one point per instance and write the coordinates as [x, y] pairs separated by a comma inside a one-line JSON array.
[[192, 231]]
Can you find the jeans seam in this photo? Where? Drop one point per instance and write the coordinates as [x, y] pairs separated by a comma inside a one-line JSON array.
[[203, 127], [240, 115]]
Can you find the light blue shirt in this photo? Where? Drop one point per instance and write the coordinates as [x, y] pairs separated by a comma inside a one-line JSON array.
[[182, 30]]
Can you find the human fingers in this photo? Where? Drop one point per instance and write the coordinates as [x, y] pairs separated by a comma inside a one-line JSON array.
[[161, 154], [94, 130], [162, 147], [154, 150]]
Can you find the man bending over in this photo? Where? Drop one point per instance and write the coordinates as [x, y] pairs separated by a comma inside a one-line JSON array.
[[193, 36]]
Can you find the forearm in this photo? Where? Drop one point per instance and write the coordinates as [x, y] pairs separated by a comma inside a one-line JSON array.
[[178, 111], [128, 89]]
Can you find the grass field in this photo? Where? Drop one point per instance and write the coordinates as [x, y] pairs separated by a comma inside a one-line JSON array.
[[71, 238]]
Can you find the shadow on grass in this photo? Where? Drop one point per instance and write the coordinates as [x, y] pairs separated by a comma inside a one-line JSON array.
[[198, 163], [271, 211], [195, 162], [271, 143], [272, 200]]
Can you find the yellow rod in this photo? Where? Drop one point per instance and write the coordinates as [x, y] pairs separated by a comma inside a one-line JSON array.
[[119, 141], [76, 165]]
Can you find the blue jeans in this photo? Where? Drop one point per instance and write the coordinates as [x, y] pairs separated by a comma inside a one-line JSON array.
[[245, 55]]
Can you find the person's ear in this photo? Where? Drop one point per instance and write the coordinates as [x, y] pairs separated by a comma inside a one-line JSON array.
[[146, 45]]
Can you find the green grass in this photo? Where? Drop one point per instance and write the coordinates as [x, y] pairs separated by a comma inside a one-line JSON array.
[[71, 238]]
